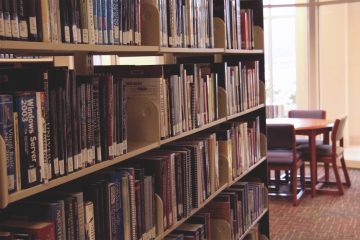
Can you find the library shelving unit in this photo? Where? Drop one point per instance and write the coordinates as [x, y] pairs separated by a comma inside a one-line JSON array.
[[83, 53]]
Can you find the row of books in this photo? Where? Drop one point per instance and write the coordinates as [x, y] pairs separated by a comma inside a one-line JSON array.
[[186, 23], [182, 23], [116, 204], [275, 111], [239, 144], [242, 84], [54, 123], [228, 216], [119, 203], [185, 94], [238, 23], [71, 21]]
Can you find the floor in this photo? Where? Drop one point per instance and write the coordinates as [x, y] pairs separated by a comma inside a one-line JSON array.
[[323, 217]]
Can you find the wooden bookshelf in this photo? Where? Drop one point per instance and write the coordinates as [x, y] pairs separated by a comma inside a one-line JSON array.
[[81, 173], [254, 223], [245, 112], [32, 48], [243, 51], [178, 223], [192, 51], [193, 131], [141, 146]]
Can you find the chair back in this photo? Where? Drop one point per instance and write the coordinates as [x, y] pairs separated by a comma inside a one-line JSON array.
[[338, 129], [280, 136], [321, 114]]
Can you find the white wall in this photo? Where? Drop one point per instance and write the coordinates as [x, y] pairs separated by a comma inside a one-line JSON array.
[[354, 73], [333, 59]]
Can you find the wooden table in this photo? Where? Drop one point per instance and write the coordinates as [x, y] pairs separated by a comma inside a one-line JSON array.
[[309, 127]]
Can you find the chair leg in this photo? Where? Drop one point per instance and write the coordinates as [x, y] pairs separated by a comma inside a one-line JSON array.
[[302, 177], [277, 180], [294, 186], [346, 174], [326, 167], [337, 177]]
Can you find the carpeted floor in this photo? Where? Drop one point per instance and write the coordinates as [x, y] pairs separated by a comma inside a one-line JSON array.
[[323, 217]]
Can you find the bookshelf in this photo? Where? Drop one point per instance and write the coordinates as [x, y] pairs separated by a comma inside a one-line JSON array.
[[151, 46]]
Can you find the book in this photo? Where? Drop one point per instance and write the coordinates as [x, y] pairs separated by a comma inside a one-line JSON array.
[[89, 221], [39, 230], [7, 133]]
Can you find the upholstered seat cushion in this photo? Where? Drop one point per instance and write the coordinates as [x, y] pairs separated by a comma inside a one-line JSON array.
[[281, 156], [305, 140], [322, 150]]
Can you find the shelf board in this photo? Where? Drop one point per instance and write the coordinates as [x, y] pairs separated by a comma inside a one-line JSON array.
[[191, 50], [75, 175], [248, 170], [178, 223], [253, 224], [243, 51], [236, 115], [26, 60], [70, 49], [188, 133]]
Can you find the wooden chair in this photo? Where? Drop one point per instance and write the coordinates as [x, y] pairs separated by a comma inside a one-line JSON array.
[[330, 154], [282, 155]]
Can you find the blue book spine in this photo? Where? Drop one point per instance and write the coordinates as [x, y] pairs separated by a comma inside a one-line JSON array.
[[95, 18], [110, 21], [7, 133], [116, 26], [25, 105]]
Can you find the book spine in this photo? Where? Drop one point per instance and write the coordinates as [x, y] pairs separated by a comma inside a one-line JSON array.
[[25, 105], [7, 133], [110, 21], [110, 114], [45, 20], [96, 120], [95, 18], [89, 125], [100, 21], [15, 32], [116, 27], [89, 221], [65, 22], [84, 22], [7, 19], [104, 14], [2, 22], [124, 117], [40, 100], [111, 204], [17, 151]]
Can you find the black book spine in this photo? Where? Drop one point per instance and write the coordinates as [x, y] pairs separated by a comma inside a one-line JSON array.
[[68, 122], [2, 22], [39, 20], [32, 16], [25, 105], [75, 123], [103, 120], [65, 22], [96, 119], [124, 117], [23, 19], [14, 20], [7, 19], [53, 129], [73, 24]]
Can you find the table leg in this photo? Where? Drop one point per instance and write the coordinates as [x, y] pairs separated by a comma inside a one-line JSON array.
[[313, 169]]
